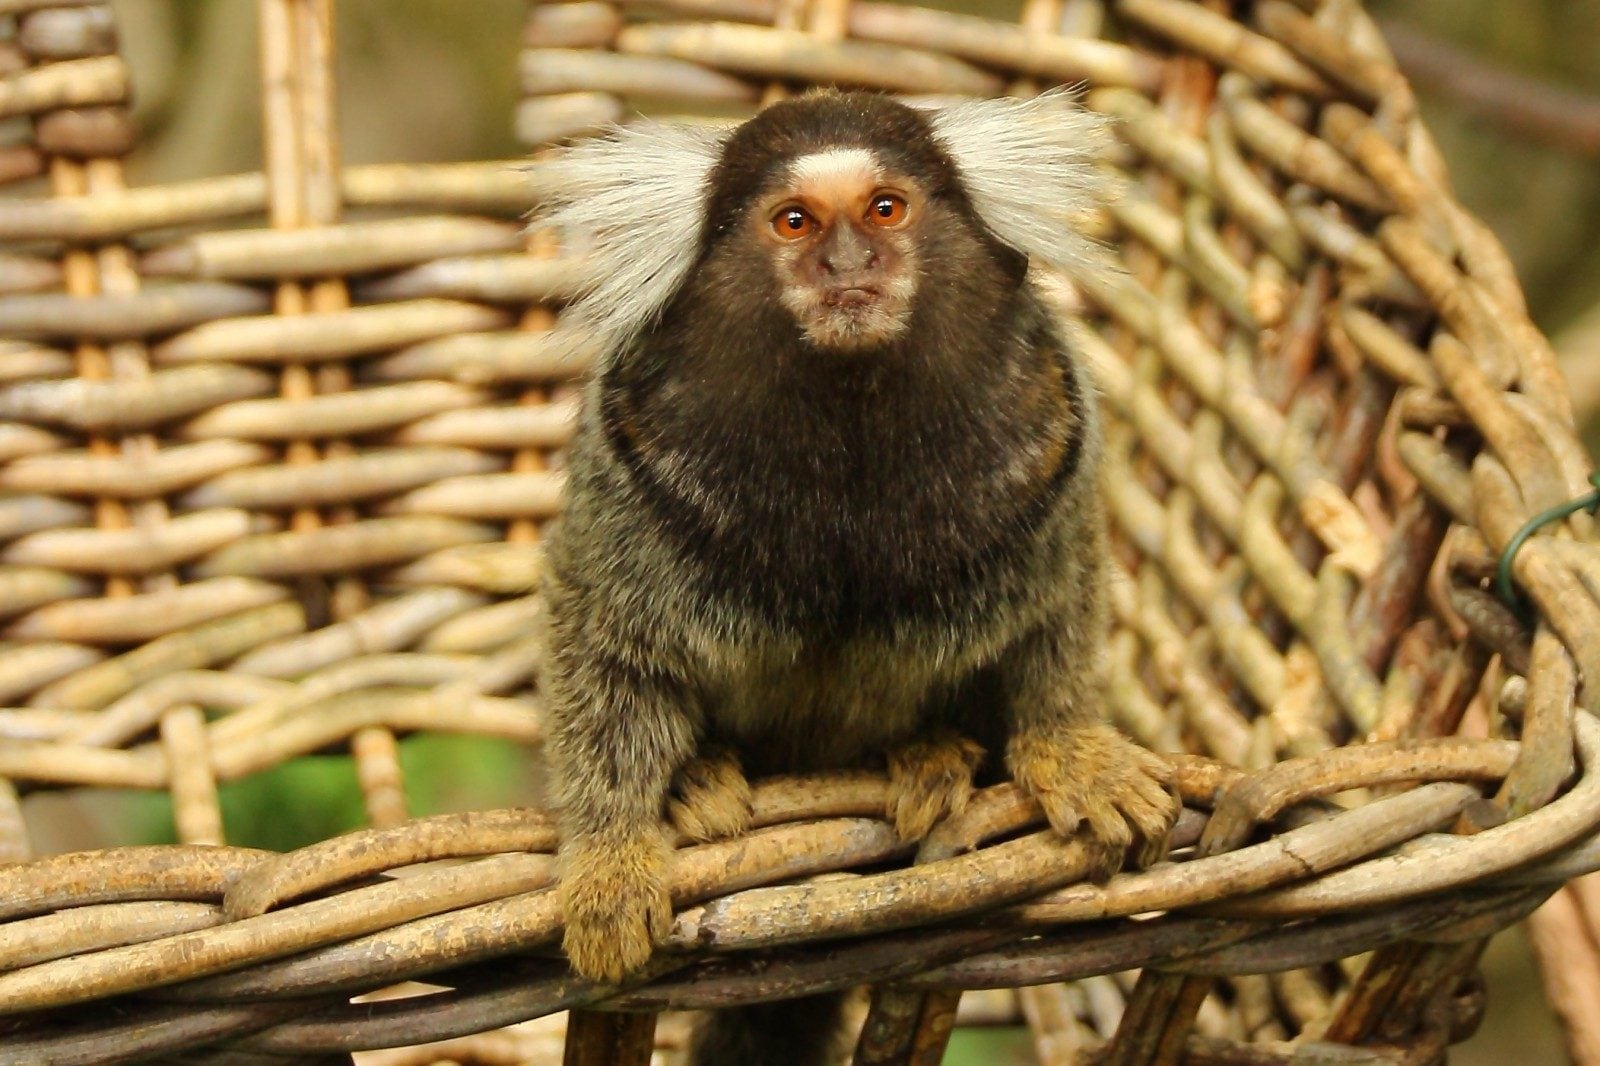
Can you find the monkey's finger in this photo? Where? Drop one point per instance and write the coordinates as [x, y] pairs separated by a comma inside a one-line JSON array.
[[708, 815], [1154, 824], [1063, 815], [1103, 857], [609, 950], [1138, 760], [711, 797], [915, 804], [1151, 805], [1152, 765], [917, 808], [913, 816], [714, 768], [1152, 849], [1104, 860], [930, 780], [1107, 823]]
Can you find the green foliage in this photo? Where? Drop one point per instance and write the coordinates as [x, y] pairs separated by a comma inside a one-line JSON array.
[[989, 1047], [455, 773], [312, 798]]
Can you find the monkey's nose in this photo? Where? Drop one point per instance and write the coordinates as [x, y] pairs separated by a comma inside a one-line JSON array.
[[847, 257], [852, 263]]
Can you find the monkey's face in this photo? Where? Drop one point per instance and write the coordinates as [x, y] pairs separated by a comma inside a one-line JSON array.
[[840, 230]]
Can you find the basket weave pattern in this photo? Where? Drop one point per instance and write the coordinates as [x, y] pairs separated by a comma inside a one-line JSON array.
[[275, 450]]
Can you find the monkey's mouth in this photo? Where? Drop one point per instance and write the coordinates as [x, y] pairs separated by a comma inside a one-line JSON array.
[[850, 297], [850, 317]]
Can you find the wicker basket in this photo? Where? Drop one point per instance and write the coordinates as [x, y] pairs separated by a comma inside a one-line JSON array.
[[275, 450]]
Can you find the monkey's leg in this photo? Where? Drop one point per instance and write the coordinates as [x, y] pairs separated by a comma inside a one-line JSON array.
[[620, 734], [710, 797], [1084, 773], [929, 779]]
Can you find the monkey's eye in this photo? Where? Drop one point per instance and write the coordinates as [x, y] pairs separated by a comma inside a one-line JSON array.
[[886, 209], [791, 223]]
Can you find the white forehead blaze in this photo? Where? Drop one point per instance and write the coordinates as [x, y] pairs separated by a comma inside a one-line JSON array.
[[836, 167]]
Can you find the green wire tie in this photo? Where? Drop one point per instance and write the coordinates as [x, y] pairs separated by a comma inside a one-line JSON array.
[[1589, 501]]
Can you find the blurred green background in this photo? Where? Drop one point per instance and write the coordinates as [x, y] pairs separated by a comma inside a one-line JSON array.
[[436, 80]]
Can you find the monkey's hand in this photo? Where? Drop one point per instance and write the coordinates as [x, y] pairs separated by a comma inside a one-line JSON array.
[[614, 895], [1092, 777], [710, 797], [930, 779]]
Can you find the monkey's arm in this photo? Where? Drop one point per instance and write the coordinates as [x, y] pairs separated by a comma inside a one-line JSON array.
[[1061, 750], [621, 725]]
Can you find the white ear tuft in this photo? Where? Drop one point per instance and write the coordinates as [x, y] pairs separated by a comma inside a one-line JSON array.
[[631, 205], [1028, 167]]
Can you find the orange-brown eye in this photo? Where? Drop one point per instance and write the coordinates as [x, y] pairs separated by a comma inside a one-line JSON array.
[[791, 223], [887, 209]]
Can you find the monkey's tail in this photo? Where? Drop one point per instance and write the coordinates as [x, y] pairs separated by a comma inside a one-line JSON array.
[[793, 1032]]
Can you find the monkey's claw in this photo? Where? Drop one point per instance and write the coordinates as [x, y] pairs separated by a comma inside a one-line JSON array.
[[1094, 779], [614, 895], [710, 797], [930, 779]]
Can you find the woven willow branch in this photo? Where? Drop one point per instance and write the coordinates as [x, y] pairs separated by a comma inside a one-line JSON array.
[[153, 921]]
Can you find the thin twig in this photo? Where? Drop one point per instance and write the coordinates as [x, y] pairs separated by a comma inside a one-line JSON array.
[[1526, 106]]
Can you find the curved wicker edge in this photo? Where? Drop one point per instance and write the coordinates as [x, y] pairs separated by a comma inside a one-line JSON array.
[[1302, 895]]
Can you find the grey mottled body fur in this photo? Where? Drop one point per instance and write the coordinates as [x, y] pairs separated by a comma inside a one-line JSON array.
[[622, 594]]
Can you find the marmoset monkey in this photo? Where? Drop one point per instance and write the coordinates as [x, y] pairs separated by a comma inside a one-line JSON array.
[[832, 499]]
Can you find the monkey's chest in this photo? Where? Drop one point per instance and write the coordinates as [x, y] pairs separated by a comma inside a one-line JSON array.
[[843, 515], [836, 562], [826, 709]]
